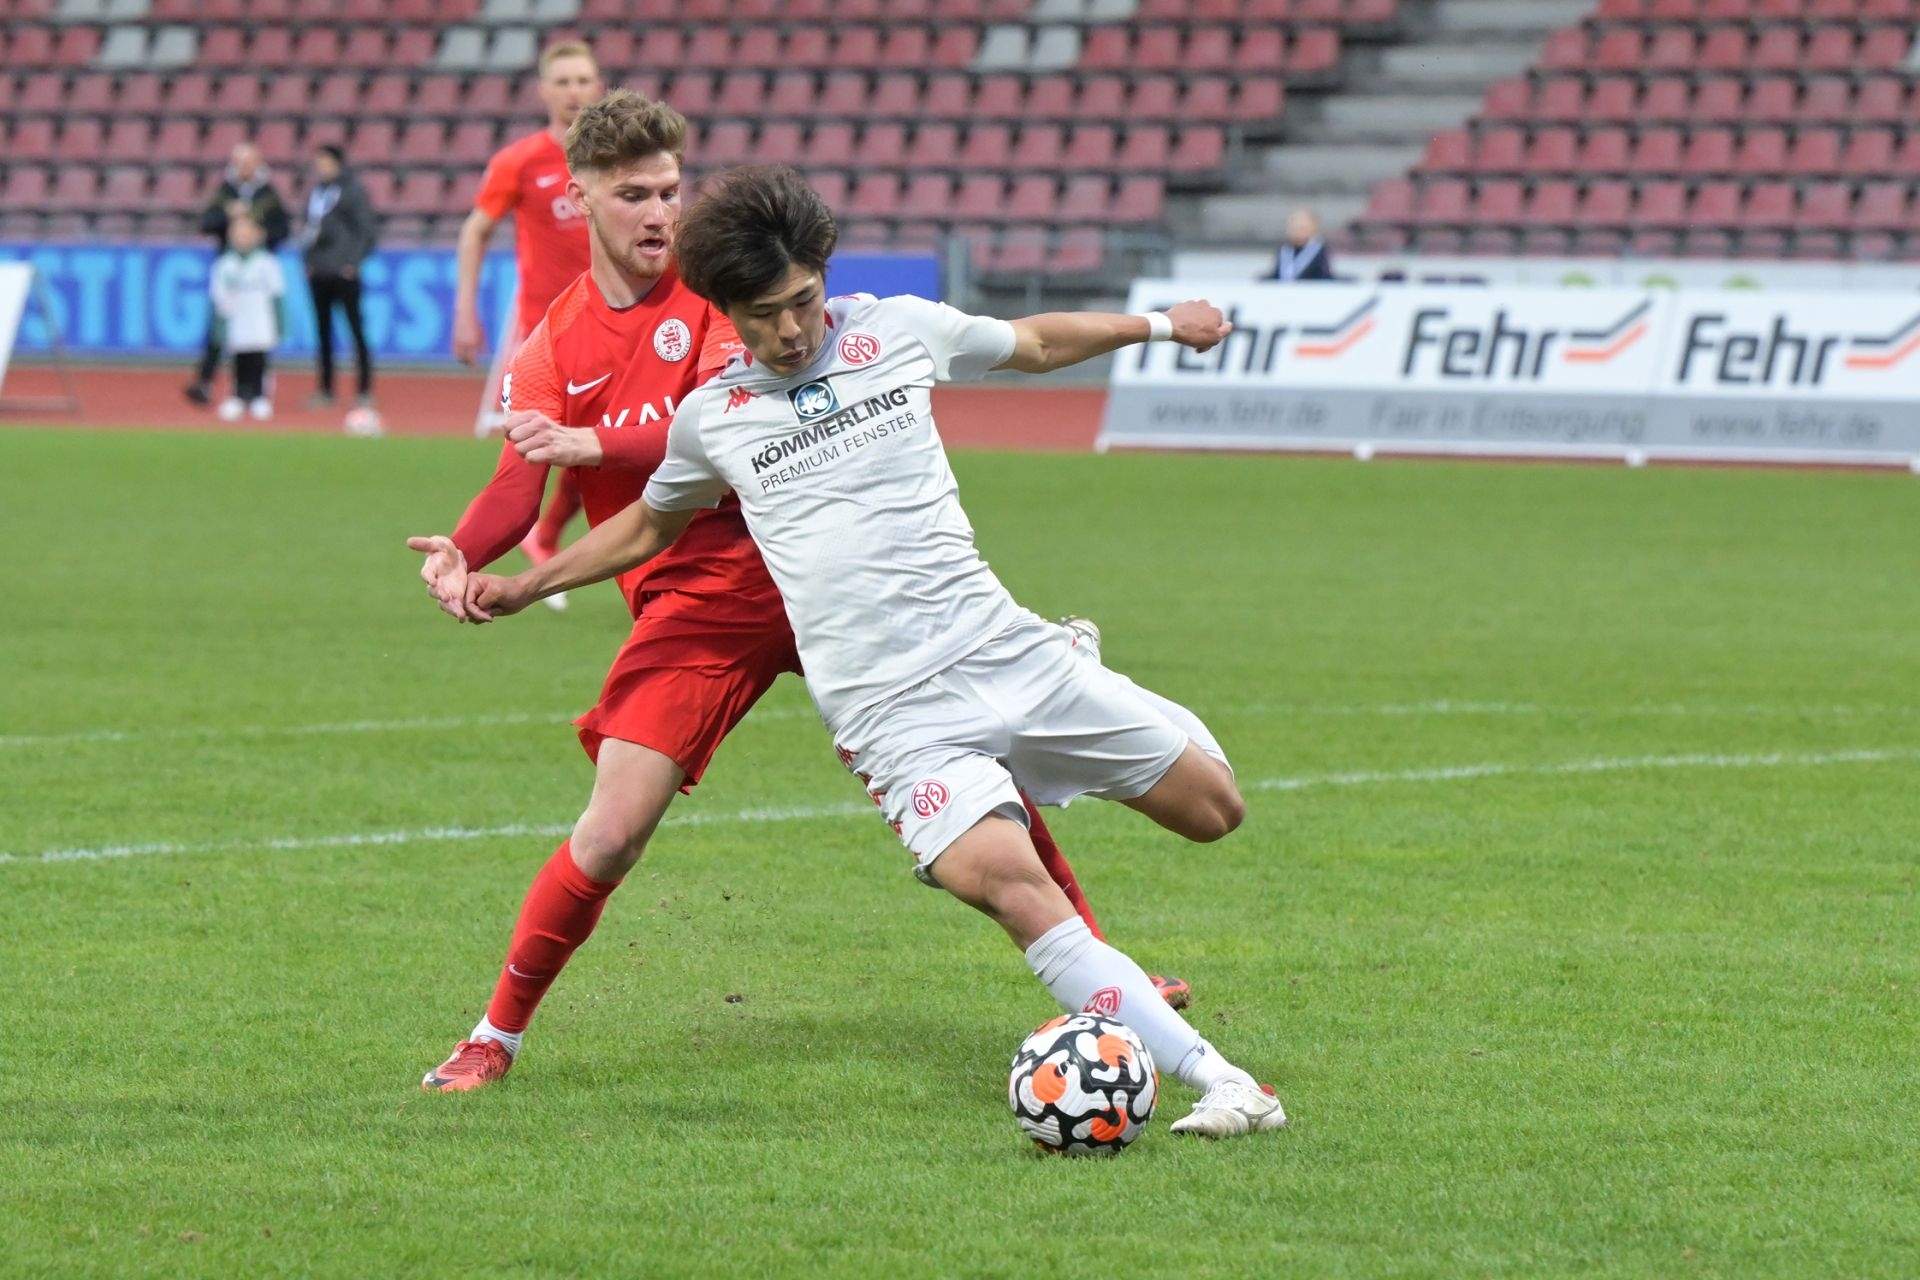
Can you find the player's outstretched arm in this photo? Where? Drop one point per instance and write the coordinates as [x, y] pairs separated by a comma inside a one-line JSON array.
[[628, 540], [1057, 339], [445, 573]]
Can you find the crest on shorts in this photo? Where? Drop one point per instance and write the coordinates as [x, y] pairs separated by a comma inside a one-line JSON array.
[[929, 797], [1105, 1002], [673, 341], [859, 348]]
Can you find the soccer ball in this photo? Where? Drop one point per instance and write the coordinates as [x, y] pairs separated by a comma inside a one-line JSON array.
[[1083, 1085], [364, 422]]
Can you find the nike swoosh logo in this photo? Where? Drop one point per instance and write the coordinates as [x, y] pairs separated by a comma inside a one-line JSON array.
[[574, 389], [547, 181]]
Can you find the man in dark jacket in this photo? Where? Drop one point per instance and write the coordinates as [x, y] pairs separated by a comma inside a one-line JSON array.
[[338, 237], [1303, 255], [246, 190]]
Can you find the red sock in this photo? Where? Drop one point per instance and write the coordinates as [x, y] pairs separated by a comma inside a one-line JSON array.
[[560, 911], [1056, 864], [560, 509]]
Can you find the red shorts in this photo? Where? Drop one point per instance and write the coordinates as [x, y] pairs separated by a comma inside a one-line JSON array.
[[690, 671]]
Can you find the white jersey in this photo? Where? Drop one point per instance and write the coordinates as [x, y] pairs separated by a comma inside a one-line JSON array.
[[845, 486], [246, 292]]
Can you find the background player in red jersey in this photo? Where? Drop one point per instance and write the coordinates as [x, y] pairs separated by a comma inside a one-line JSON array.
[[621, 346], [528, 179]]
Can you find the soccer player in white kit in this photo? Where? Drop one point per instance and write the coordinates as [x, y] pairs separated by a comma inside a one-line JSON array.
[[942, 693]]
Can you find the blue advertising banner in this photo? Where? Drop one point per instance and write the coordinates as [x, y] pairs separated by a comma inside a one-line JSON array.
[[151, 299]]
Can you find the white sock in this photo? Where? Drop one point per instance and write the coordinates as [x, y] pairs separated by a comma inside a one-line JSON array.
[[508, 1040], [1075, 966]]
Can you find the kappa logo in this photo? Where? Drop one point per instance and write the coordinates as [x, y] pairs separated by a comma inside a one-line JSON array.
[[673, 341], [1105, 1002], [859, 348], [929, 797], [738, 398], [813, 400]]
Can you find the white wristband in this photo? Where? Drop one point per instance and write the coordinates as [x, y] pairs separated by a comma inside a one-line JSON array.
[[1159, 326]]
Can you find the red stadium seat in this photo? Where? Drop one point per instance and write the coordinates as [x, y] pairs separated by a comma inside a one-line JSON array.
[[1709, 151], [1613, 100], [1671, 98], [1661, 205], [1147, 148], [1094, 146], [1605, 151], [852, 47], [1773, 98], [1314, 54], [434, 95], [1446, 202], [726, 143], [1261, 50], [1815, 153], [139, 92], [279, 143], [1509, 99], [906, 47], [955, 47], [1716, 204], [1551, 204], [1826, 206], [1139, 200], [1201, 149], [831, 186], [987, 146], [472, 144], [1868, 153], [1040, 147], [1500, 151], [935, 144], [177, 143], [928, 195], [1085, 199], [883, 145], [423, 142], [1553, 150], [778, 142], [1826, 98], [843, 93], [1770, 205], [1606, 204], [1449, 151], [830, 145], [372, 143], [1499, 200], [175, 189], [421, 192], [1056, 97], [26, 187], [1880, 98], [1565, 50], [898, 94], [1209, 98], [983, 195], [128, 141], [740, 93], [758, 47], [1391, 201], [1761, 151], [1883, 206], [1658, 150], [1885, 47], [1105, 98], [1562, 98], [875, 195], [1154, 98], [1258, 100]]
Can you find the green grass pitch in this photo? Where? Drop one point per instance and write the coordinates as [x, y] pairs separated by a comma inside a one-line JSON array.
[[1575, 914]]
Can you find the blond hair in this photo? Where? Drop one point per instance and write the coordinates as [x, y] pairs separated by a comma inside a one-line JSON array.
[[566, 49], [623, 128]]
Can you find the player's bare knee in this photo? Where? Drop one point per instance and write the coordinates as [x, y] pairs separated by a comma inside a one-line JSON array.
[[606, 848]]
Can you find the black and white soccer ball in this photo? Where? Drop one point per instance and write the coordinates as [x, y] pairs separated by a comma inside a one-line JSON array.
[[1083, 1085]]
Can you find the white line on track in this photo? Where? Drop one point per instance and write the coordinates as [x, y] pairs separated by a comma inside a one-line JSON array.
[[1450, 773]]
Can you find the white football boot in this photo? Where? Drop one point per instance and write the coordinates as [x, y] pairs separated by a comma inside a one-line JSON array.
[[1231, 1108], [1085, 633]]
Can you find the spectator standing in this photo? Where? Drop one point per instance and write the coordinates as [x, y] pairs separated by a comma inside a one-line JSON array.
[[1303, 255], [246, 190], [247, 289], [338, 235]]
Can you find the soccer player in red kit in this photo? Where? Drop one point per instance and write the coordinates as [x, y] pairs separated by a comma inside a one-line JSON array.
[[621, 346], [528, 179]]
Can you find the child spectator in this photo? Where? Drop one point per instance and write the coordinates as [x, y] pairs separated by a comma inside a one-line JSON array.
[[247, 288]]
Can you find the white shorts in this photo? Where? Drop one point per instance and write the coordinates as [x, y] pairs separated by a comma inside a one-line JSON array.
[[1026, 712]]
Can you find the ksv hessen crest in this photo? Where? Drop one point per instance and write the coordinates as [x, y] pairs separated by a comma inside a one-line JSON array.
[[814, 400], [672, 341]]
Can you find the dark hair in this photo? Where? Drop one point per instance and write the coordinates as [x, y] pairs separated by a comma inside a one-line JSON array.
[[750, 227], [622, 129], [332, 149]]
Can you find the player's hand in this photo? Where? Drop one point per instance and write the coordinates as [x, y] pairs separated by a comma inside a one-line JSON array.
[[468, 338], [1198, 324], [490, 597], [445, 573], [540, 439]]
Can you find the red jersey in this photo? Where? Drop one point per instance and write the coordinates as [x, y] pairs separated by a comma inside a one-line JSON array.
[[623, 373], [528, 179]]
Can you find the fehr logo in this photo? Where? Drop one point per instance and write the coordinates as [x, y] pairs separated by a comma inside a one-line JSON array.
[[1503, 350], [929, 797], [1782, 356], [672, 341], [1105, 1002], [1331, 341], [859, 348], [813, 400]]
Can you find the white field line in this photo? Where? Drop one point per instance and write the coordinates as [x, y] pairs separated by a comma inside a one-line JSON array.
[[1442, 707], [1451, 773]]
